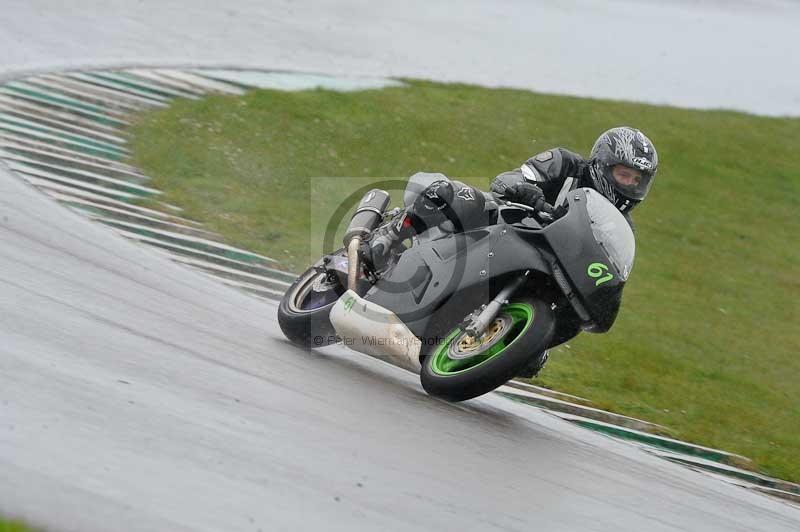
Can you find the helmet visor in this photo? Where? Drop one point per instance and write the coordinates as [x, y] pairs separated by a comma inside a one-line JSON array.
[[631, 182]]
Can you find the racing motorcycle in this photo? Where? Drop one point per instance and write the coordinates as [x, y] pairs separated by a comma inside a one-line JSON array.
[[467, 310]]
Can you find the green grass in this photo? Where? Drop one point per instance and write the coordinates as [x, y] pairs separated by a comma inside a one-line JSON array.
[[707, 341], [13, 526]]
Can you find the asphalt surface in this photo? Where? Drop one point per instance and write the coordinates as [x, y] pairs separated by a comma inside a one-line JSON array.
[[139, 395], [737, 54]]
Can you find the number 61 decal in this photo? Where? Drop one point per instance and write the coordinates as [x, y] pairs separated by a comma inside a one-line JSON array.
[[599, 271]]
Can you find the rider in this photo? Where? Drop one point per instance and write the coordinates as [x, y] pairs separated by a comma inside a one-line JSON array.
[[621, 166]]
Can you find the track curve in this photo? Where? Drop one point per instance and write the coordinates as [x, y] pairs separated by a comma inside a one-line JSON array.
[[139, 395]]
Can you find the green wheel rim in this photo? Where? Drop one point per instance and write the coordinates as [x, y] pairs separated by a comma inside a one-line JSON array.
[[521, 318]]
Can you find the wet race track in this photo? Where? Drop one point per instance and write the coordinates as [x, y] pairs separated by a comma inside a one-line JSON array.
[[140, 395]]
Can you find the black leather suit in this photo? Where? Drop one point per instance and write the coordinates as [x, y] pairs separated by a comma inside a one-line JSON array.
[[548, 171]]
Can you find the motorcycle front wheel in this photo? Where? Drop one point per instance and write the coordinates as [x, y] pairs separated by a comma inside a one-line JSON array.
[[462, 367]]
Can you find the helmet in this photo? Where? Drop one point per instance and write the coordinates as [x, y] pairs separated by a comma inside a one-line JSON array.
[[629, 147]]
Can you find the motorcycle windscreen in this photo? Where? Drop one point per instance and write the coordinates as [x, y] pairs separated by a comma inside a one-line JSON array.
[[612, 231]]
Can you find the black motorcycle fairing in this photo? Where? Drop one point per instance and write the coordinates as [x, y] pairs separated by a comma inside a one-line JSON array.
[[428, 275], [588, 267]]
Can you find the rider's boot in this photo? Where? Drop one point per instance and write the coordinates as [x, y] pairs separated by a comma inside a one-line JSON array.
[[533, 369]]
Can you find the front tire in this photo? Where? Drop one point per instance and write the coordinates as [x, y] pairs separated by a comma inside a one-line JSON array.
[[304, 311], [461, 368]]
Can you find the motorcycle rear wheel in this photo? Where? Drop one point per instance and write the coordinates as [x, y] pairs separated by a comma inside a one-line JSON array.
[[304, 311], [462, 368]]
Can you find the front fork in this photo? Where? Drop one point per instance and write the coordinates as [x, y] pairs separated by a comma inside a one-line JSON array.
[[476, 324]]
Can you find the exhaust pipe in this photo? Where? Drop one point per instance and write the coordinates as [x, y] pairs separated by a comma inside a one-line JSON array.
[[352, 262], [366, 218]]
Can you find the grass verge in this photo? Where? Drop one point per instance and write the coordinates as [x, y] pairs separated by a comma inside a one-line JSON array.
[[13, 526], [707, 340]]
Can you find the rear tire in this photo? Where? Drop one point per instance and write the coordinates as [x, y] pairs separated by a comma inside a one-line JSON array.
[[459, 369], [304, 311]]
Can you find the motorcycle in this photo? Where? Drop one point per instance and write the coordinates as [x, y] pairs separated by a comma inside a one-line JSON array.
[[468, 310]]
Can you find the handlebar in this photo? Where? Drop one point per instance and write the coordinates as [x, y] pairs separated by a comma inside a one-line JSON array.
[[519, 206], [542, 210]]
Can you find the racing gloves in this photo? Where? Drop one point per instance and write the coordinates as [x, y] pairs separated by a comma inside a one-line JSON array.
[[525, 193]]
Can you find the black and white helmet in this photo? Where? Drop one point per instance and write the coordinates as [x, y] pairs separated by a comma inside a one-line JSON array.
[[630, 147]]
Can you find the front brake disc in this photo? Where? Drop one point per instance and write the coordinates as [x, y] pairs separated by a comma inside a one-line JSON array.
[[466, 346]]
